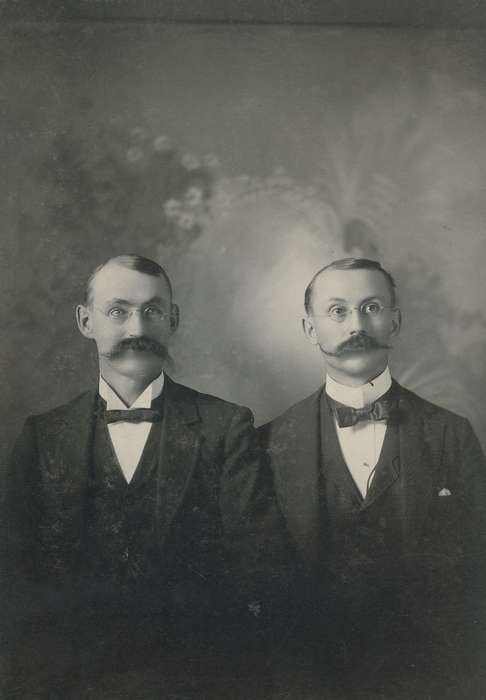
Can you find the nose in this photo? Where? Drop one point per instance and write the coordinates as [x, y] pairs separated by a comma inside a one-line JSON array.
[[135, 325], [356, 321]]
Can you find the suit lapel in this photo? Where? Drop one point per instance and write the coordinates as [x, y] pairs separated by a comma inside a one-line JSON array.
[[387, 470], [403, 459], [65, 448], [295, 455], [405, 479], [69, 441], [179, 448], [405, 482], [416, 468]]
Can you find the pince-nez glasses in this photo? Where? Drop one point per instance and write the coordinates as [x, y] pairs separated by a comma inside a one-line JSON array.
[[121, 314], [340, 312]]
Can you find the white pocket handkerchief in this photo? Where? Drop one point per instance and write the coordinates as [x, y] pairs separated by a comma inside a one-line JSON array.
[[445, 492]]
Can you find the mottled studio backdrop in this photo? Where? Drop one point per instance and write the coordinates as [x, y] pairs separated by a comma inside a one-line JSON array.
[[243, 159]]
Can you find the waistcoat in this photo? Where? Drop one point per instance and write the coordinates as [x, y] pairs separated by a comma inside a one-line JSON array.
[[360, 536], [122, 552]]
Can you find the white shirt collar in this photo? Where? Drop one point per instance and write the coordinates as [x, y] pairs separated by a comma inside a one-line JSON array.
[[114, 402], [359, 396]]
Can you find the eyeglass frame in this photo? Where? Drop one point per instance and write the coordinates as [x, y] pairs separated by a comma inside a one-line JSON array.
[[383, 307], [164, 315]]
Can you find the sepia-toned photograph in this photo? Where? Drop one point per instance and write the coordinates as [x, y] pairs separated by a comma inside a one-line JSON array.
[[243, 260]]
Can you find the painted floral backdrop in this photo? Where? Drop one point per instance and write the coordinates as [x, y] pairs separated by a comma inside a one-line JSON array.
[[397, 174]]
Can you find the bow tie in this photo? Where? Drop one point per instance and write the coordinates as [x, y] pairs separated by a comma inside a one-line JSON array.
[[137, 415], [348, 416]]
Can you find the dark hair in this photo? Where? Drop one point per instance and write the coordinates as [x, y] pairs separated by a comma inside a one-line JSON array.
[[132, 262], [350, 264]]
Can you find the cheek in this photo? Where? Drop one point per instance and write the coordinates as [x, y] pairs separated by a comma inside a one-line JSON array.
[[383, 329], [329, 337], [161, 335], [164, 332], [158, 332], [107, 337]]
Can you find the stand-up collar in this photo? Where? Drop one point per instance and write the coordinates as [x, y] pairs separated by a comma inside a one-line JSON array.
[[359, 396], [114, 402]]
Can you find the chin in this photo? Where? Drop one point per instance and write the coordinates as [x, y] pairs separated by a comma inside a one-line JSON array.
[[360, 364], [149, 366]]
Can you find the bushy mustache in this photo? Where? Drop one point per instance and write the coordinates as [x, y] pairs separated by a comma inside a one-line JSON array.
[[356, 343], [141, 344]]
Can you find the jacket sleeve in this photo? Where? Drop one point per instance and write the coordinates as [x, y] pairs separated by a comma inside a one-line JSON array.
[[19, 523], [473, 473], [257, 546]]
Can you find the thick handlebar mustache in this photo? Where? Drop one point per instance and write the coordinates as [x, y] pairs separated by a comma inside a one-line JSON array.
[[141, 344], [354, 344]]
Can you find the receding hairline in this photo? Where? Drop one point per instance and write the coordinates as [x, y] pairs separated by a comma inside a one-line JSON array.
[[137, 263], [345, 265]]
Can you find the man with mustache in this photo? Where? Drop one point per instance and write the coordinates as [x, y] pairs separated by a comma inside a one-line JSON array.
[[139, 511], [384, 496]]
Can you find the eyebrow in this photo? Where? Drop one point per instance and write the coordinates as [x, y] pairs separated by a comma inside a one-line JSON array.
[[373, 296], [125, 302]]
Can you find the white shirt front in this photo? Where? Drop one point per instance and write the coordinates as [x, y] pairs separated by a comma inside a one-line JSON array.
[[129, 438], [361, 444]]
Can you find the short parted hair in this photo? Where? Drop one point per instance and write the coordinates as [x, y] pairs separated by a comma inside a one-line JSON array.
[[132, 262], [350, 264]]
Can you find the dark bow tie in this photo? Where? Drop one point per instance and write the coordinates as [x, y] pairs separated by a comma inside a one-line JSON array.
[[137, 415], [348, 416]]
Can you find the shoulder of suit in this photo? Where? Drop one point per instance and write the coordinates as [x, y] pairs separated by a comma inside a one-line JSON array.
[[430, 409], [299, 413], [206, 402], [293, 416], [61, 412]]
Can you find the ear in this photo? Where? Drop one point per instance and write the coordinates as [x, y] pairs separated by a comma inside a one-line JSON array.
[[309, 331], [83, 319], [174, 318], [396, 322]]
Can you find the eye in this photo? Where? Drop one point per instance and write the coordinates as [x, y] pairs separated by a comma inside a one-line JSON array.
[[338, 312], [117, 312], [372, 308], [154, 312]]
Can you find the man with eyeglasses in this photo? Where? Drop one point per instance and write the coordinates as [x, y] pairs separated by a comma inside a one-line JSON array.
[[138, 512], [384, 496]]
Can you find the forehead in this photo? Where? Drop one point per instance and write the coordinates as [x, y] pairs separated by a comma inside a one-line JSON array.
[[117, 282], [350, 285]]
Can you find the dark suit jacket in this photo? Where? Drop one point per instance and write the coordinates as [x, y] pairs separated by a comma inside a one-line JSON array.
[[441, 539], [216, 519], [219, 537]]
